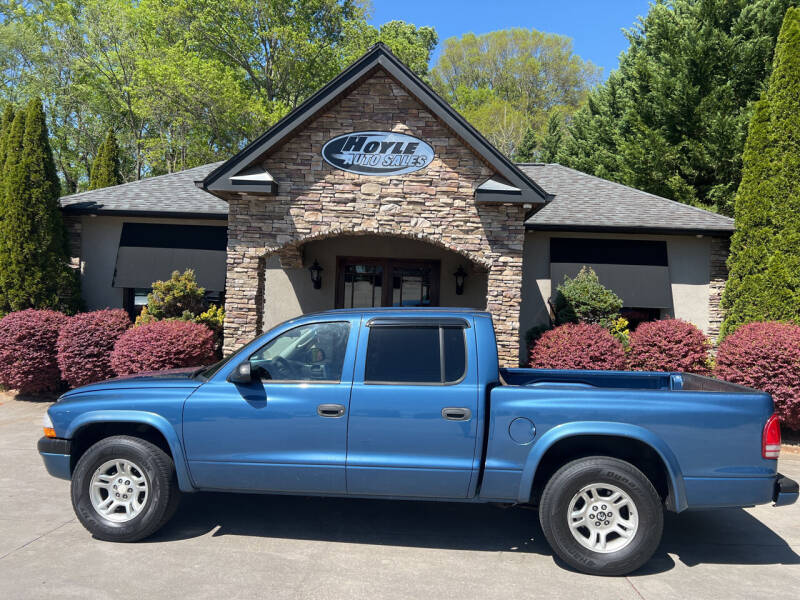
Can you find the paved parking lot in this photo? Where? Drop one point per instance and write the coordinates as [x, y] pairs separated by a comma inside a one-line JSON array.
[[235, 546]]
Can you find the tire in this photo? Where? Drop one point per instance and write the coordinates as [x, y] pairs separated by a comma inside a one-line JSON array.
[[118, 465], [630, 528]]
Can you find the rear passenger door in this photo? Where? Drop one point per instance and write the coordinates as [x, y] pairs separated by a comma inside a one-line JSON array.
[[412, 427]]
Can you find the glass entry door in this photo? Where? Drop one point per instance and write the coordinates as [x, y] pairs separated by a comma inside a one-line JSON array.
[[371, 282]]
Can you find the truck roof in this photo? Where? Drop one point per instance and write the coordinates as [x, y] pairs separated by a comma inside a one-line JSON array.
[[399, 310]]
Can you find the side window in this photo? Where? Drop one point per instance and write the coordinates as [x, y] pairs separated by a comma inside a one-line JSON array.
[[313, 352], [415, 354]]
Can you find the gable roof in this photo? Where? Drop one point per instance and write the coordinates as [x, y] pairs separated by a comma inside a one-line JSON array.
[[584, 202], [171, 195], [224, 177]]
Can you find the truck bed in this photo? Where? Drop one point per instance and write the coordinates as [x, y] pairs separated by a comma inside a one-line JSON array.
[[625, 380]]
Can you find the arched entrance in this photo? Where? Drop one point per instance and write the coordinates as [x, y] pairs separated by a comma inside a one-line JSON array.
[[362, 270]]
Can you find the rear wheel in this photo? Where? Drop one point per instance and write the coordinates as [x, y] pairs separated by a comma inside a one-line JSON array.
[[124, 489], [601, 515]]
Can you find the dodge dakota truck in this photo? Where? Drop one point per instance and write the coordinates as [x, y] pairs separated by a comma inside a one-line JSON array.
[[411, 404]]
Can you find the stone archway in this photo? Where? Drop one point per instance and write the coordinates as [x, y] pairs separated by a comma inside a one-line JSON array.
[[245, 293]]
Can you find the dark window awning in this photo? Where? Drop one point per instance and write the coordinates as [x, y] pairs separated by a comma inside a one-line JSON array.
[[150, 252], [636, 270]]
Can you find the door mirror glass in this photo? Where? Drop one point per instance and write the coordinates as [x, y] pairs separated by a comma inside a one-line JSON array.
[[242, 374]]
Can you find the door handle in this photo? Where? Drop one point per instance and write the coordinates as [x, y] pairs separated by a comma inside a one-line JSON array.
[[456, 414], [330, 410]]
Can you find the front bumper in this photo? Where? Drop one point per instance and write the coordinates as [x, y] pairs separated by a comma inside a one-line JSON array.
[[786, 491], [55, 453]]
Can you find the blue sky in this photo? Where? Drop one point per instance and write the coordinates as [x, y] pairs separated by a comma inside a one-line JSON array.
[[595, 26]]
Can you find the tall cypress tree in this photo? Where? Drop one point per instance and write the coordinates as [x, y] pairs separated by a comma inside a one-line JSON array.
[[764, 282], [105, 169], [34, 272], [5, 125]]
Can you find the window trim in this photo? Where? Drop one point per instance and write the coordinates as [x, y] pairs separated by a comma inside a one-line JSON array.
[[433, 324], [306, 381]]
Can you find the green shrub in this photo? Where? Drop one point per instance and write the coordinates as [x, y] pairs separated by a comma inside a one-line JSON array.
[[583, 299], [179, 297], [214, 319]]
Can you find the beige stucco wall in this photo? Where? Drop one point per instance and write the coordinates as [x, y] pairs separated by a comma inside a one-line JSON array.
[[99, 245], [289, 293], [688, 257]]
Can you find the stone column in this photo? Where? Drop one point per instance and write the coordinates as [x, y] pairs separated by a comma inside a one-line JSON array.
[[74, 229], [503, 294], [718, 275], [244, 298]]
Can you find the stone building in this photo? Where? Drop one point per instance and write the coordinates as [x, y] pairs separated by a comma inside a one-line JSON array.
[[375, 192]]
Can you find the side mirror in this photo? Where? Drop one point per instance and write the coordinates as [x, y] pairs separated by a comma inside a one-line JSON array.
[[241, 374]]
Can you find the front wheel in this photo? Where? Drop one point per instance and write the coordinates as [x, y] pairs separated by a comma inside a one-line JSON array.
[[601, 515], [124, 489]]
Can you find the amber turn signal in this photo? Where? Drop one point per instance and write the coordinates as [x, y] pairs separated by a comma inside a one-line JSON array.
[[47, 425]]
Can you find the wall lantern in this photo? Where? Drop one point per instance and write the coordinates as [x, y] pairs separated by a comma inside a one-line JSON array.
[[316, 274], [460, 276]]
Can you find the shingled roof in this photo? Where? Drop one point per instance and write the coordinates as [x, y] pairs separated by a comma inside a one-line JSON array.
[[171, 195], [584, 202], [580, 202]]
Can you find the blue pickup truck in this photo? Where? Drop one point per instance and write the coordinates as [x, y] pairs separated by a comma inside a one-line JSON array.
[[411, 404]]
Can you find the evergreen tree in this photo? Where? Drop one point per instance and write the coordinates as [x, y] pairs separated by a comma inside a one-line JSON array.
[[764, 282], [34, 272], [672, 120], [526, 151], [106, 166], [5, 125], [551, 143]]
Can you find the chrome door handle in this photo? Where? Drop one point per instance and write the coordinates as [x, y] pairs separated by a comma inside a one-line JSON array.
[[330, 410], [456, 414]]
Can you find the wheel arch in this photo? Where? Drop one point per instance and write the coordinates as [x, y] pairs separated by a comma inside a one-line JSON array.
[[628, 442], [90, 427]]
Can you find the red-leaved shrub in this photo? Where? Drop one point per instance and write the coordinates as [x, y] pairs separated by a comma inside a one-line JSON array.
[[765, 356], [28, 350], [669, 345], [578, 346], [85, 344], [162, 345]]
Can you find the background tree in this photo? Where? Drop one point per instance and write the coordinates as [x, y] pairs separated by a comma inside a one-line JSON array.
[[5, 125], [764, 282], [34, 272], [507, 82], [180, 82], [526, 149], [105, 169], [672, 120]]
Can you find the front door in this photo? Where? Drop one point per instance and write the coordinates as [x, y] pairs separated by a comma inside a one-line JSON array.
[[413, 409], [372, 282], [287, 431]]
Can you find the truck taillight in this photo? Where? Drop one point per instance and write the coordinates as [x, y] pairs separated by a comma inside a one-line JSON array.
[[771, 440]]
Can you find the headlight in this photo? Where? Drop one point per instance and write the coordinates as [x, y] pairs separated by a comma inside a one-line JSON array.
[[47, 425]]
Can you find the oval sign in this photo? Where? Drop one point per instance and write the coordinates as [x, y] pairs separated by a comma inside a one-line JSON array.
[[378, 153]]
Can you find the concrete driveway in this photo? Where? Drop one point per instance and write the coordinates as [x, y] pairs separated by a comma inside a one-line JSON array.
[[236, 546]]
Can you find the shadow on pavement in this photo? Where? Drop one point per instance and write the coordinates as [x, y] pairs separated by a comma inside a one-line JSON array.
[[725, 536], [729, 536]]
